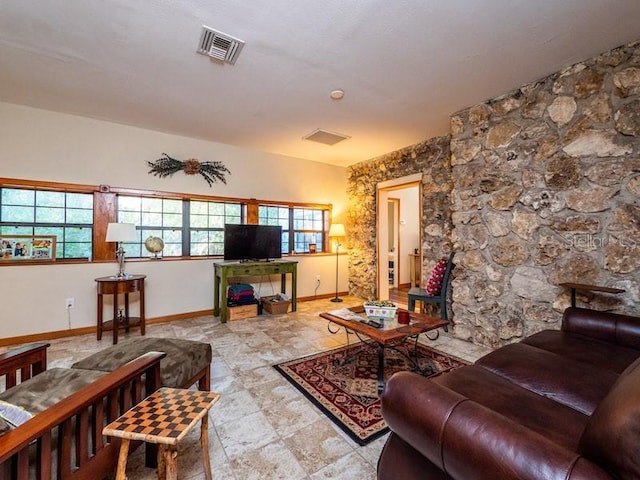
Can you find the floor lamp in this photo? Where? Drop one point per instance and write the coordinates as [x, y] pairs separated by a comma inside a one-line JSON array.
[[337, 231]]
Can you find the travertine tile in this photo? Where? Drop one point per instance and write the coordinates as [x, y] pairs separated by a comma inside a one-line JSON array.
[[276, 392], [246, 434], [292, 416], [234, 406], [273, 461], [347, 468], [316, 446]]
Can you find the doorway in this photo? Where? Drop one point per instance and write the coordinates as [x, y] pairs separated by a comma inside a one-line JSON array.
[[398, 230], [393, 227]]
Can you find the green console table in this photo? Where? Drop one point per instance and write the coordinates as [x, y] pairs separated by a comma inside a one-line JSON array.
[[223, 271]]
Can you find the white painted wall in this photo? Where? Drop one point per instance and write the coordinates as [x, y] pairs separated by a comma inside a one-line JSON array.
[[409, 230], [49, 146]]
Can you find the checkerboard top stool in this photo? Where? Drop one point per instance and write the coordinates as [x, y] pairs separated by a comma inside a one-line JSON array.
[[164, 418]]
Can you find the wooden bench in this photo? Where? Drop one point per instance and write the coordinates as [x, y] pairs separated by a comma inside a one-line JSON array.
[[65, 440]]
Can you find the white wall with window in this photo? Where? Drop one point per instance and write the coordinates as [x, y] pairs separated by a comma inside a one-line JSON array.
[[48, 146]]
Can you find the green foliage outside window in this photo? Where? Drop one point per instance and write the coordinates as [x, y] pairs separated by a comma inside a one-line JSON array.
[[67, 215]]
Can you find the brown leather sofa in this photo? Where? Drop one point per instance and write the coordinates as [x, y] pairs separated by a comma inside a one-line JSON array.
[[561, 404]]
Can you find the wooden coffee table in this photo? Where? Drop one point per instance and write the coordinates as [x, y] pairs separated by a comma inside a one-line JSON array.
[[391, 334]]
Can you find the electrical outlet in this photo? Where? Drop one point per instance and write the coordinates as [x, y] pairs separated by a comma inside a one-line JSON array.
[[317, 278], [70, 302]]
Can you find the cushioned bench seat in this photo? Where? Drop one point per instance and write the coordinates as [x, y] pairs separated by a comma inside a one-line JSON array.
[[48, 388], [186, 362]]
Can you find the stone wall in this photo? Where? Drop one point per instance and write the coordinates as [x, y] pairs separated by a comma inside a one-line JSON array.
[[546, 190], [431, 158]]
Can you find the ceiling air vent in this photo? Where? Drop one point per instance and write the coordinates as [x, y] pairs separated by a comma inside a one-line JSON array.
[[324, 136], [219, 46]]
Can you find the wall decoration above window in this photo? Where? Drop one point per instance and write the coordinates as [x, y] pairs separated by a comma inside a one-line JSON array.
[[166, 166]]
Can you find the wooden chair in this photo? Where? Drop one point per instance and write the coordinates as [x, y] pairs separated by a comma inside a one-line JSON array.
[[419, 293]]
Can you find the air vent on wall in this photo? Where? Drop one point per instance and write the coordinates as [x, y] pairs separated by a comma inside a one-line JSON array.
[[325, 136], [219, 46]]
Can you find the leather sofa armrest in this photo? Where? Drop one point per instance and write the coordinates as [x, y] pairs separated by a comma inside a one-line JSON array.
[[469, 441]]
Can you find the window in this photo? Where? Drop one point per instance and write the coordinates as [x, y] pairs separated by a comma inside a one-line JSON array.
[[309, 226], [274, 215], [189, 225], [206, 225], [158, 217], [301, 226], [67, 215]]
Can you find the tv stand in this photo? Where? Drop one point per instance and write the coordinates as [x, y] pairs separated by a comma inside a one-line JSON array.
[[223, 271]]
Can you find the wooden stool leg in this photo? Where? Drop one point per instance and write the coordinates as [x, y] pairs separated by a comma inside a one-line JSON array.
[[162, 463], [121, 473], [204, 444], [172, 462]]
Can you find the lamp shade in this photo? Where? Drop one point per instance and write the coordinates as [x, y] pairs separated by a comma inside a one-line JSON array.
[[337, 230], [121, 232]]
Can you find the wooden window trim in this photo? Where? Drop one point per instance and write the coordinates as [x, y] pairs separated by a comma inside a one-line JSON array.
[[105, 211]]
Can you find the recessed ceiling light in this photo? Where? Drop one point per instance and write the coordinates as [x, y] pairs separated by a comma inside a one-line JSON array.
[[337, 94]]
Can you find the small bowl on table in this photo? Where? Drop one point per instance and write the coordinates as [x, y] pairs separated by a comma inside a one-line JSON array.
[[380, 310]]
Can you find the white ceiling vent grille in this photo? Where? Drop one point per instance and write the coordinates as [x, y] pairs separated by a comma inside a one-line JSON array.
[[219, 46], [324, 136]]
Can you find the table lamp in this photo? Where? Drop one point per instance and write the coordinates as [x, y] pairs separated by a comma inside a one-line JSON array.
[[120, 232], [337, 231]]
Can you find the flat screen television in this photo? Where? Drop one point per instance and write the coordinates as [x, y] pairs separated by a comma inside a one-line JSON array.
[[252, 242]]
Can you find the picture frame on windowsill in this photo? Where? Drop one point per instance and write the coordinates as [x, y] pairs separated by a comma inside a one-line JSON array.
[[27, 248], [313, 248]]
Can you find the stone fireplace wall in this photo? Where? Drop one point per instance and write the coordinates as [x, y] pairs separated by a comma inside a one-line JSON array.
[[546, 189], [431, 158]]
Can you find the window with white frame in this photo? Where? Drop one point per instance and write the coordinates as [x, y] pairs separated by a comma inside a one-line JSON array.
[[206, 225]]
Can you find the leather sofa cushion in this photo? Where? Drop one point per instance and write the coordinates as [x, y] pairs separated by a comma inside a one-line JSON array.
[[185, 358], [48, 388], [537, 413], [575, 384], [611, 436], [584, 349], [622, 330]]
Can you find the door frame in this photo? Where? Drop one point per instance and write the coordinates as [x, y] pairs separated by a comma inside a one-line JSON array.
[[394, 203], [382, 226]]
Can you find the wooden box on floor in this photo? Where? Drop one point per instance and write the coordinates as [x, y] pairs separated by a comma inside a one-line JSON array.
[[275, 305], [243, 311]]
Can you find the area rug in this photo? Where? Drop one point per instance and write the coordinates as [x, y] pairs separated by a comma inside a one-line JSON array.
[[343, 383]]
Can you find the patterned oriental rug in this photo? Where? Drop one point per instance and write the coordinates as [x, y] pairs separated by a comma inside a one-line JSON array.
[[343, 382]]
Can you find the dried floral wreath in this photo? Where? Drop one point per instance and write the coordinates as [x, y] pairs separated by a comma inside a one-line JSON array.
[[166, 166]]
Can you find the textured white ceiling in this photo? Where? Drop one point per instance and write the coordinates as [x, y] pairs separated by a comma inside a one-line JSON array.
[[405, 65]]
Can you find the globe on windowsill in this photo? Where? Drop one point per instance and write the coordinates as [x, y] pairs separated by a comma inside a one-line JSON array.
[[154, 245]]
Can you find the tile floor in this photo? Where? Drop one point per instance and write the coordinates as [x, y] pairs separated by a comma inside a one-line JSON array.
[[262, 427]]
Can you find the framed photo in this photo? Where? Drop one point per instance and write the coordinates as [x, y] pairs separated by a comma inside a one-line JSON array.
[[313, 248], [20, 248]]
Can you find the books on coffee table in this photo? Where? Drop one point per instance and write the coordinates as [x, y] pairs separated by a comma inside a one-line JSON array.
[[346, 314]]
